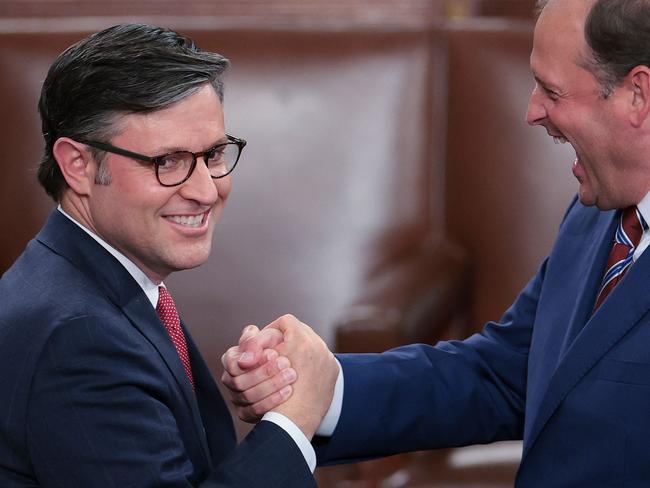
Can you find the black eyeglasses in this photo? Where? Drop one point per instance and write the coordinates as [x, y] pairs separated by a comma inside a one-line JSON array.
[[176, 168]]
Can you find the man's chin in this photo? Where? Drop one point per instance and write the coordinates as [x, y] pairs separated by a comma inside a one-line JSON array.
[[190, 259], [586, 201], [599, 203], [586, 198], [193, 262]]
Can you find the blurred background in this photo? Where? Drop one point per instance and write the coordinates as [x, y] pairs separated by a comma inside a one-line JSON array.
[[390, 192]]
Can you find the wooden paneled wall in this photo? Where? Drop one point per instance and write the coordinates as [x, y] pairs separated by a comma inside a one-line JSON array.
[[232, 13], [397, 13]]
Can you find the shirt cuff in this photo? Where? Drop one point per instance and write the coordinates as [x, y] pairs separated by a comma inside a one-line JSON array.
[[331, 418], [296, 434]]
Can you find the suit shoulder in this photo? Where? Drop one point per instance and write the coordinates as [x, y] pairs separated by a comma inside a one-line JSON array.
[[580, 219], [40, 277]]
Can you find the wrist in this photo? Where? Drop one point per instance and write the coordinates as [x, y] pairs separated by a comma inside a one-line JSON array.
[[307, 423]]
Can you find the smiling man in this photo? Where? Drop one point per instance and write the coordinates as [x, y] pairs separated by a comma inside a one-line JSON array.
[[595, 98], [567, 367], [102, 385]]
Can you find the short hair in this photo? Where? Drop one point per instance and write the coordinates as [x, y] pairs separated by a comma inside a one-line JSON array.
[[127, 68], [617, 34], [539, 6]]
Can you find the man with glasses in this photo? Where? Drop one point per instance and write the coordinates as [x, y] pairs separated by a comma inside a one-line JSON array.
[[102, 384]]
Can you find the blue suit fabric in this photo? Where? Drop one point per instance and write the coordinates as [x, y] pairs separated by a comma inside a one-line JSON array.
[[573, 384], [93, 393]]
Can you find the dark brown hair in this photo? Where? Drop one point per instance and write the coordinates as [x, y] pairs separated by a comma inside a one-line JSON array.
[[124, 69]]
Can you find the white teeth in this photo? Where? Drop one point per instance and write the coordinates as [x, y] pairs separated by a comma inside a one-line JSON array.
[[559, 140], [189, 220]]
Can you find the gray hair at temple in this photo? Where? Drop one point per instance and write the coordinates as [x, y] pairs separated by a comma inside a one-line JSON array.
[[618, 35], [128, 68]]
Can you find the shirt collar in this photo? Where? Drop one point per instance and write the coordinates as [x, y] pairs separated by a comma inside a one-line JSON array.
[[644, 207], [149, 288]]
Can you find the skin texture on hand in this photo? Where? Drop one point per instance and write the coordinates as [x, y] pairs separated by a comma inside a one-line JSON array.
[[257, 379], [252, 370]]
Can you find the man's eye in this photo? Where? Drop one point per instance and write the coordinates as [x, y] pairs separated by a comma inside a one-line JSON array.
[[551, 94], [171, 161], [215, 155]]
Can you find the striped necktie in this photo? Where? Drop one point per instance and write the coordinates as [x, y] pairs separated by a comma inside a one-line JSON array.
[[628, 234], [169, 316]]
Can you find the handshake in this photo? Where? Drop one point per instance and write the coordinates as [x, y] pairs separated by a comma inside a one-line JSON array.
[[285, 368]]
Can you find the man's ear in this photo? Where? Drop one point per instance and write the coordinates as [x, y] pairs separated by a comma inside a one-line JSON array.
[[638, 80], [76, 164]]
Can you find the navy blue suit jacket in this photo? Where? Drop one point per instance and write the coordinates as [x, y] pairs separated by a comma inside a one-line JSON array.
[[574, 385], [93, 394]]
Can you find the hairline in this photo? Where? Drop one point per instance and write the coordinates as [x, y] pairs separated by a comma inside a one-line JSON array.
[[587, 59], [114, 123]]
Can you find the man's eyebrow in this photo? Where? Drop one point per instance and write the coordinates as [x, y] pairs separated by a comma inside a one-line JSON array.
[[222, 140], [544, 84], [172, 149]]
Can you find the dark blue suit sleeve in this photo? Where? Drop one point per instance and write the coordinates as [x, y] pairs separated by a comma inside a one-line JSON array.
[[423, 397], [103, 413]]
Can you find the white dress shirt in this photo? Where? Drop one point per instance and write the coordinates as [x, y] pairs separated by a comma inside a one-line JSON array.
[[644, 209]]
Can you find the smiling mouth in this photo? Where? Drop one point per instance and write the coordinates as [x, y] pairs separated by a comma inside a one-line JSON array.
[[188, 220], [559, 139]]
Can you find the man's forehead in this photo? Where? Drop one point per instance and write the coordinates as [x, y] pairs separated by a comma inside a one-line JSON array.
[[559, 42], [560, 28], [574, 10], [195, 122]]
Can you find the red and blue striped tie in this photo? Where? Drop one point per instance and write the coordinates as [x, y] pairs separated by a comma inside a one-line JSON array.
[[628, 234]]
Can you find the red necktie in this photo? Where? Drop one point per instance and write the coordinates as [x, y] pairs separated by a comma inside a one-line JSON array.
[[628, 235], [169, 317]]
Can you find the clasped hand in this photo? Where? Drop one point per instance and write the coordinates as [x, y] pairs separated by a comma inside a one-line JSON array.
[[286, 368]]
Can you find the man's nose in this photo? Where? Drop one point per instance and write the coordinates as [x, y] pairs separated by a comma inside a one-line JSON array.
[[200, 186], [536, 113]]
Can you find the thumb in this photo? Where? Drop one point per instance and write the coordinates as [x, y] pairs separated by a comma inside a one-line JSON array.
[[248, 332], [285, 325], [252, 347]]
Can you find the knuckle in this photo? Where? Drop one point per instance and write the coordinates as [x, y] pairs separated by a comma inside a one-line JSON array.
[[239, 401], [247, 397], [229, 360], [307, 327], [288, 318], [248, 329], [236, 383], [232, 370], [248, 332], [270, 354]]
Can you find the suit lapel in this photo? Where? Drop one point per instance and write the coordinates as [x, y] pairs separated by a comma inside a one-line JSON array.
[[68, 240], [218, 423], [590, 273], [586, 343]]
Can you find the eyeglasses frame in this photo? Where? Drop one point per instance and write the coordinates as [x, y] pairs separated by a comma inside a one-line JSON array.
[[155, 160]]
